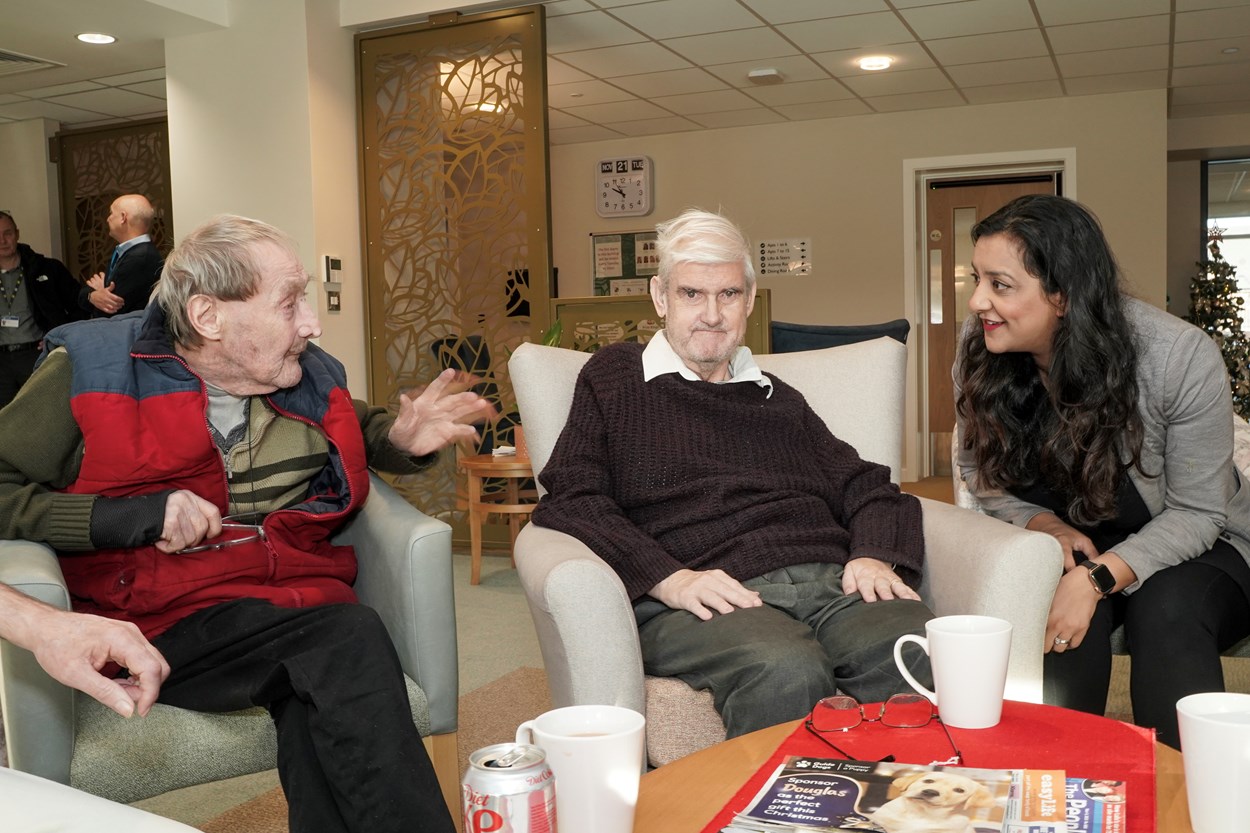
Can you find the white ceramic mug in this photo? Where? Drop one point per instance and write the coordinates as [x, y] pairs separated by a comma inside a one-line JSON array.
[[1215, 745], [968, 655], [595, 753]]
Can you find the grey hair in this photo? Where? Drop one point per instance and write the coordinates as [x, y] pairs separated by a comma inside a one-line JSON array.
[[139, 210], [217, 259], [697, 236]]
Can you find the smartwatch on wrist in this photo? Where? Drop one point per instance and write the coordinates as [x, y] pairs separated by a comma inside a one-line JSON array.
[[1100, 576]]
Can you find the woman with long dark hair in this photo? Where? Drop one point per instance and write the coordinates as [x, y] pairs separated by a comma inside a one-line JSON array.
[[1107, 423]]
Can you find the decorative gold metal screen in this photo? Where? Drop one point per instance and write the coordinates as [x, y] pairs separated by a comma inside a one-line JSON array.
[[95, 167], [457, 232]]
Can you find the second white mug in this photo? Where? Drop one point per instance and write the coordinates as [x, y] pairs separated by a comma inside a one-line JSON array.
[[968, 655]]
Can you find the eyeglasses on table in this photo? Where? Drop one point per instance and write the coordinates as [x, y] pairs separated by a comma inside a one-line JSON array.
[[841, 713], [235, 530]]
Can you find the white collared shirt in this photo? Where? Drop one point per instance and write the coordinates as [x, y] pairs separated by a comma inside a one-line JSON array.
[[658, 359]]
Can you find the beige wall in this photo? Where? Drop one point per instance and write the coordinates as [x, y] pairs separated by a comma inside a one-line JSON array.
[[1185, 233], [28, 187], [262, 122], [840, 182]]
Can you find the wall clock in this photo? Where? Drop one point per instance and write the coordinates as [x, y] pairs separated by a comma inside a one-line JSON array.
[[623, 186]]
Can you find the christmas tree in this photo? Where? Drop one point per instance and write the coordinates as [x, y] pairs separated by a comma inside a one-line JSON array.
[[1215, 307]]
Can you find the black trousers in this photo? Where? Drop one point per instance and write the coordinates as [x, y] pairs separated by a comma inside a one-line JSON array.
[[15, 368], [349, 756], [1177, 624]]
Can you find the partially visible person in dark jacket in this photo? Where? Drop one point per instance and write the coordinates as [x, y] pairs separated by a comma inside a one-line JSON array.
[[37, 293]]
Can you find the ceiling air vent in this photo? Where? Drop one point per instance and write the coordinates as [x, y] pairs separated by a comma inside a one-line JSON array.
[[15, 62]]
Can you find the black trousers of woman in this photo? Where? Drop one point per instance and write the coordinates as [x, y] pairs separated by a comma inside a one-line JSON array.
[[349, 757], [1177, 624]]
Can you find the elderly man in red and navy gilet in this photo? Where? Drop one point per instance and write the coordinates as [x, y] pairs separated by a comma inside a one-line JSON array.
[[212, 403]]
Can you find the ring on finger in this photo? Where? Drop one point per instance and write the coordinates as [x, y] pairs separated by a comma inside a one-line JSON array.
[[1059, 641]]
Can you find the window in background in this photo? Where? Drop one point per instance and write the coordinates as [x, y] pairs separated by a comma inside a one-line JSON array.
[[1228, 208]]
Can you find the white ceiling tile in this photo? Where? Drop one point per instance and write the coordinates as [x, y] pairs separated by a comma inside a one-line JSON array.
[[789, 11], [738, 118], [634, 59], [1059, 12], [1212, 24], [972, 17], [710, 102], [63, 89], [898, 83], [824, 110], [1127, 82], [44, 109], [916, 101], [1194, 5], [856, 32], [590, 30], [678, 18], [572, 135], [674, 82], [792, 68], [845, 62], [557, 119], [993, 46], [582, 93], [111, 101], [1137, 59], [651, 127], [128, 78], [731, 47], [152, 88], [555, 8], [911, 4], [1209, 93], [1205, 52], [1193, 76], [1090, 37], [1028, 91], [634, 110], [559, 72], [1003, 72], [9, 98], [802, 92], [614, 4]]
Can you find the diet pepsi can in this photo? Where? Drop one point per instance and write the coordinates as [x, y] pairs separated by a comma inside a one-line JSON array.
[[508, 788]]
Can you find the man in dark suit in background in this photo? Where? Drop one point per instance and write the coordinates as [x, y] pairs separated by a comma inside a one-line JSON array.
[[134, 266], [37, 293]]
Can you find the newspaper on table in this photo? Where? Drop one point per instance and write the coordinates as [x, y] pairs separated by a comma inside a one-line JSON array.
[[815, 794], [1096, 806]]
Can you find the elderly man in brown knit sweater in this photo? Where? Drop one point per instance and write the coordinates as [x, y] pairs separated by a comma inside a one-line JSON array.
[[766, 561]]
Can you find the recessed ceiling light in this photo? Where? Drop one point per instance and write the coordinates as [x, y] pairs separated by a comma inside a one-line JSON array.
[[1230, 50], [873, 63], [96, 37]]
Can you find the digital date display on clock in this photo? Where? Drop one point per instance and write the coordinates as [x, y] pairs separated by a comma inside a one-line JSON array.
[[623, 187]]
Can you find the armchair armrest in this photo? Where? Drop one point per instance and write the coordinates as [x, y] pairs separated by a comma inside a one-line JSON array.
[[38, 711], [977, 564], [584, 620], [405, 574]]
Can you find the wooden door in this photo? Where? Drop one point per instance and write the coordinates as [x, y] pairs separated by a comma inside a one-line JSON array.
[[952, 208]]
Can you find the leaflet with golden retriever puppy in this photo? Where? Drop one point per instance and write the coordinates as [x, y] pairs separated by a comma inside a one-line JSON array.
[[933, 802]]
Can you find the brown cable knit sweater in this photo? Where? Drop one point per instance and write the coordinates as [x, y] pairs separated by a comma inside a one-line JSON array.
[[669, 474]]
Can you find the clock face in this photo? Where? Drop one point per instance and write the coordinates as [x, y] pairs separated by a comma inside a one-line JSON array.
[[623, 187]]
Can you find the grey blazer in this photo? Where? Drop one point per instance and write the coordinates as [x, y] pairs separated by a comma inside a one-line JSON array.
[[1187, 411]]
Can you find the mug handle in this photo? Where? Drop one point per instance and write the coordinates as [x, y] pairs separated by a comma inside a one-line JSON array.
[[526, 728], [902, 669]]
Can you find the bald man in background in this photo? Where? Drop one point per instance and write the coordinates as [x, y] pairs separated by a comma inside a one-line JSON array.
[[134, 266]]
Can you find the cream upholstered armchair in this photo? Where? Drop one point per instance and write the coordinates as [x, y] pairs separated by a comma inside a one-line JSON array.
[[405, 574], [585, 623]]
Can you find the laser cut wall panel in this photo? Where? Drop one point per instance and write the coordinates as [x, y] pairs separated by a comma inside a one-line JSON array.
[[456, 221]]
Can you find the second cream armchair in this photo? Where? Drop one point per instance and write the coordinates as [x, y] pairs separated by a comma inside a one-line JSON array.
[[585, 622]]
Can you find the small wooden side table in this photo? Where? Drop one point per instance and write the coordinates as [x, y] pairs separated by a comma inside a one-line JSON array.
[[513, 501]]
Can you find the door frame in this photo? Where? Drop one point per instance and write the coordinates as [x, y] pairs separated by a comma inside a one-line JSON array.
[[917, 173]]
